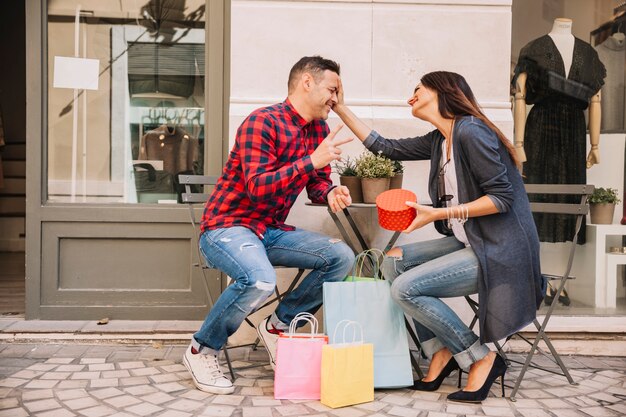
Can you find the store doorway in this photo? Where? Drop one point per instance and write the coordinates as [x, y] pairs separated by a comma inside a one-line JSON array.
[[12, 158]]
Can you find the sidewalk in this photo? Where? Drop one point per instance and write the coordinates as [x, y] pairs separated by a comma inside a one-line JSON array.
[[101, 378]]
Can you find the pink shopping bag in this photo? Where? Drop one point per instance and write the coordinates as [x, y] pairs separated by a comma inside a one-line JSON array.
[[299, 362]]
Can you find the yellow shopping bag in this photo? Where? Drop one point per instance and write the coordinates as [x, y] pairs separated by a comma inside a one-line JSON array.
[[347, 369]]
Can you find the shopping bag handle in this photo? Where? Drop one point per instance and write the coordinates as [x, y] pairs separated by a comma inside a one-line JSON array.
[[374, 255], [309, 318], [346, 324]]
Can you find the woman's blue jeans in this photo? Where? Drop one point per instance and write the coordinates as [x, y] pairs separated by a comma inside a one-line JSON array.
[[249, 261], [426, 272]]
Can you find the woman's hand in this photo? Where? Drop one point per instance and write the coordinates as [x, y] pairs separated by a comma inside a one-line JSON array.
[[425, 215], [339, 93]]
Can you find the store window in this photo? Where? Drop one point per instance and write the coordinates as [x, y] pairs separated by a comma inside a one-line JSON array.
[[567, 69], [125, 99]]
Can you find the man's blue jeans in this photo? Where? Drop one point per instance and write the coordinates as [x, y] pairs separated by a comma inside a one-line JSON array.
[[248, 260], [426, 272]]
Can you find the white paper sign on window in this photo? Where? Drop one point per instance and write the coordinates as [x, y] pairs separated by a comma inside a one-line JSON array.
[[79, 73]]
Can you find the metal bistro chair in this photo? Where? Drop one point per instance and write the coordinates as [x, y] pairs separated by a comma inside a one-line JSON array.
[[579, 210], [191, 198]]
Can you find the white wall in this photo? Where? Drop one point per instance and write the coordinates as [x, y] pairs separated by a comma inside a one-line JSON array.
[[383, 47]]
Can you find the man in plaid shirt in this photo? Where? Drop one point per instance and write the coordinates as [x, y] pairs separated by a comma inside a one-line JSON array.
[[279, 150]]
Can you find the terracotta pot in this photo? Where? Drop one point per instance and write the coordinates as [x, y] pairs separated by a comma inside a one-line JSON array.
[[372, 187], [396, 182], [354, 185], [601, 213]]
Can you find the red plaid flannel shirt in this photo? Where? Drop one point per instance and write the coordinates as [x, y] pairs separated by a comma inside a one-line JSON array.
[[267, 168]]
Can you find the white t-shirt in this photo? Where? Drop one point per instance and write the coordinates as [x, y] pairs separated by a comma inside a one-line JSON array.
[[449, 175]]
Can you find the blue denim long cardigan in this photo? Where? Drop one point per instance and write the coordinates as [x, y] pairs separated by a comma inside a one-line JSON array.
[[510, 286]]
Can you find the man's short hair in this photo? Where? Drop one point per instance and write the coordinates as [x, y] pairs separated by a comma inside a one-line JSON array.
[[315, 65]]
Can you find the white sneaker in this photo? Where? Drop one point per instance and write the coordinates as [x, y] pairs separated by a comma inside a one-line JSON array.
[[269, 338], [206, 373]]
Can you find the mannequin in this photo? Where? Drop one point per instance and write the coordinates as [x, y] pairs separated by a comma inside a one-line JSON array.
[[612, 52], [561, 35], [561, 76]]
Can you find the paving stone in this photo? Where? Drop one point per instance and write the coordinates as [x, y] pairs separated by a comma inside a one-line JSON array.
[[101, 367], [39, 394], [122, 401], [86, 375], [228, 399], [134, 380], [79, 403], [498, 411], [554, 403], [252, 391], [144, 371], [372, 406], [70, 394], [12, 382], [42, 367], [533, 412], [158, 398], [70, 368], [598, 412], [56, 375], [396, 399], [164, 378], [174, 368], [11, 402], [131, 365], [41, 405], [170, 387], [257, 412], [185, 405], [61, 361], [144, 409], [56, 413], [197, 395], [39, 384], [14, 412], [140, 390], [98, 411], [265, 402], [26, 374], [396, 411], [92, 360], [175, 413], [218, 411], [428, 405], [104, 382], [106, 393], [72, 384], [461, 409], [565, 412], [292, 410]]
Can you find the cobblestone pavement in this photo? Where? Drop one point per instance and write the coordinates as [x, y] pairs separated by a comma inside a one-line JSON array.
[[149, 380]]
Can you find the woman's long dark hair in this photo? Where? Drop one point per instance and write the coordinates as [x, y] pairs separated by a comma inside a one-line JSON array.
[[457, 99]]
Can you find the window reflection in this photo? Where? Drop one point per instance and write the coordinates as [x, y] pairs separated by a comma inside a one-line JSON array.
[[126, 141]]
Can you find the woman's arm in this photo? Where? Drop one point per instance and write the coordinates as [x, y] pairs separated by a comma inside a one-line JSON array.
[[482, 206]]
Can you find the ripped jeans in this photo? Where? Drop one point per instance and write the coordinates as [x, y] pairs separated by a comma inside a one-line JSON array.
[[238, 252]]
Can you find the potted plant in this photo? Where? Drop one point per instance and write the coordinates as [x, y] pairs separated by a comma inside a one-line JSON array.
[[375, 172], [396, 180], [347, 176], [602, 205]]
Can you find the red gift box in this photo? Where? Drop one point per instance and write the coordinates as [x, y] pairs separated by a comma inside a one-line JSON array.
[[393, 213]]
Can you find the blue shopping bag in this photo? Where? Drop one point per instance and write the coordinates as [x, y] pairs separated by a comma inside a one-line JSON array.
[[369, 303]]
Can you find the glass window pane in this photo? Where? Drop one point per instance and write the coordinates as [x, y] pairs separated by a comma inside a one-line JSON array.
[[125, 99]]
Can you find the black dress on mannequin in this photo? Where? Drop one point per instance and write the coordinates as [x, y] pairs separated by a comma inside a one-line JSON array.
[[555, 133]]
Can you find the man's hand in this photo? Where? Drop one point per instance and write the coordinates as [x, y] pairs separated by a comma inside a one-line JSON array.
[[340, 93], [339, 198], [328, 150]]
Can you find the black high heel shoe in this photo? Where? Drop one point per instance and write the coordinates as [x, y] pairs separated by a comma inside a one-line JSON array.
[[498, 369], [434, 385]]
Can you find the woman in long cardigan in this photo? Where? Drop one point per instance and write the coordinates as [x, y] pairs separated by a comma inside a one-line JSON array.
[[491, 247]]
